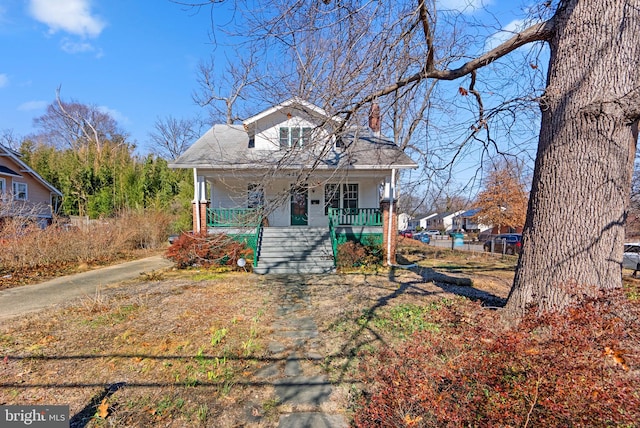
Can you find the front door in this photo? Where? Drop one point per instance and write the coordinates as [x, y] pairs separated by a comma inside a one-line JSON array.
[[299, 216]]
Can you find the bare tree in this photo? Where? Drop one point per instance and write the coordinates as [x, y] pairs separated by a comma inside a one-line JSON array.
[[75, 125], [590, 112], [9, 139], [171, 136], [222, 93]]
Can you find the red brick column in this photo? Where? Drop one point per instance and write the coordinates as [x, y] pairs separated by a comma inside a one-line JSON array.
[[195, 206], [202, 205], [384, 206]]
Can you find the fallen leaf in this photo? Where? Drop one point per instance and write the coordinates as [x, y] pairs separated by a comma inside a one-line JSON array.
[[103, 409], [410, 421], [616, 356], [533, 351]]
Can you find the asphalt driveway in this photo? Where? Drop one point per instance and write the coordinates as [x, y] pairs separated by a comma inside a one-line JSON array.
[[18, 301]]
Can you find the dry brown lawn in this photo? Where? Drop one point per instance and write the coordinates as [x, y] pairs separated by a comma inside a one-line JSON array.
[[183, 348]]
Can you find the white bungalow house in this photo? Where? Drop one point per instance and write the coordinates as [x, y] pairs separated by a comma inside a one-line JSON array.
[[293, 183]]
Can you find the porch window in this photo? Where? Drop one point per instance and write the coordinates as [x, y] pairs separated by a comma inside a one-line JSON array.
[[255, 196], [19, 191], [294, 136], [3, 186], [331, 197], [350, 196]]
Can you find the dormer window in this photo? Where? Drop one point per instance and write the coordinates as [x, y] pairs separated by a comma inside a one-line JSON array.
[[294, 136]]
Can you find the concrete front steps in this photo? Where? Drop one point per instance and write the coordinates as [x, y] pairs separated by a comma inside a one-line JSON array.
[[295, 250]]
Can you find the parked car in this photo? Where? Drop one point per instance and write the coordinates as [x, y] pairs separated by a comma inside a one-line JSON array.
[[432, 232], [631, 256], [507, 243], [486, 236], [422, 237], [407, 233]]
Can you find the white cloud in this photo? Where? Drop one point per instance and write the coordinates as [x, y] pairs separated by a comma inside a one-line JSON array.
[[467, 7], [73, 47], [33, 105], [119, 117], [505, 34], [4, 80], [72, 16]]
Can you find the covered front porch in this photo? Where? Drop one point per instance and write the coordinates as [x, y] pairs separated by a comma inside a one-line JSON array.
[[347, 208], [364, 225]]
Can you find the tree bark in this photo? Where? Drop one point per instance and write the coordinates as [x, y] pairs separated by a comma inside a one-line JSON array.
[[574, 231]]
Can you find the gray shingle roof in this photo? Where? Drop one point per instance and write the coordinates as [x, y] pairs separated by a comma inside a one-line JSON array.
[[227, 146]]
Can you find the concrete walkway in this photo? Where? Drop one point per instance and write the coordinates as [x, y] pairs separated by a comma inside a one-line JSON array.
[[300, 383], [18, 301]]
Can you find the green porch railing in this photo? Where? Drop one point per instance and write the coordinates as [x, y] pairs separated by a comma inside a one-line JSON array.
[[355, 216], [334, 240], [233, 217], [242, 218]]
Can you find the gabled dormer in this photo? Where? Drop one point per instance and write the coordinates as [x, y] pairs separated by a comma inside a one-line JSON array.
[[291, 124]]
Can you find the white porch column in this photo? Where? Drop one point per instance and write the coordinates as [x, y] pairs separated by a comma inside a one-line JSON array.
[[196, 203], [202, 182]]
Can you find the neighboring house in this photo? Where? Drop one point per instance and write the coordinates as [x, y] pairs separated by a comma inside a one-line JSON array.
[[286, 171], [444, 221], [427, 223], [451, 221], [413, 224], [467, 221], [23, 192]]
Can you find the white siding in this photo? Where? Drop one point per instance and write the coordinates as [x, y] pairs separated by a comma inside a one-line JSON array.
[[267, 130]]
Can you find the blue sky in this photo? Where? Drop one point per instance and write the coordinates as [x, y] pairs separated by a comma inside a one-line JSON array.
[[135, 59]]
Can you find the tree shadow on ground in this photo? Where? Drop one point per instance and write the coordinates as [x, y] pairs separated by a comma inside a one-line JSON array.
[[461, 286]]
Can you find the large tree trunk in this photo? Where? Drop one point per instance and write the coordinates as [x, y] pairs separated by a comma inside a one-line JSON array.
[[574, 231]]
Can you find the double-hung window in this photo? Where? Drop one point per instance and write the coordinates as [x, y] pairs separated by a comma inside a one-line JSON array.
[[350, 196], [333, 198], [20, 191], [294, 136]]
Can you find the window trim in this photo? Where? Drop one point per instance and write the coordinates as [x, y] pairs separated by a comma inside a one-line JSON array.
[[16, 192], [294, 136]]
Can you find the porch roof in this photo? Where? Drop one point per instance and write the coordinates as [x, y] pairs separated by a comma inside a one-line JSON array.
[[227, 147]]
